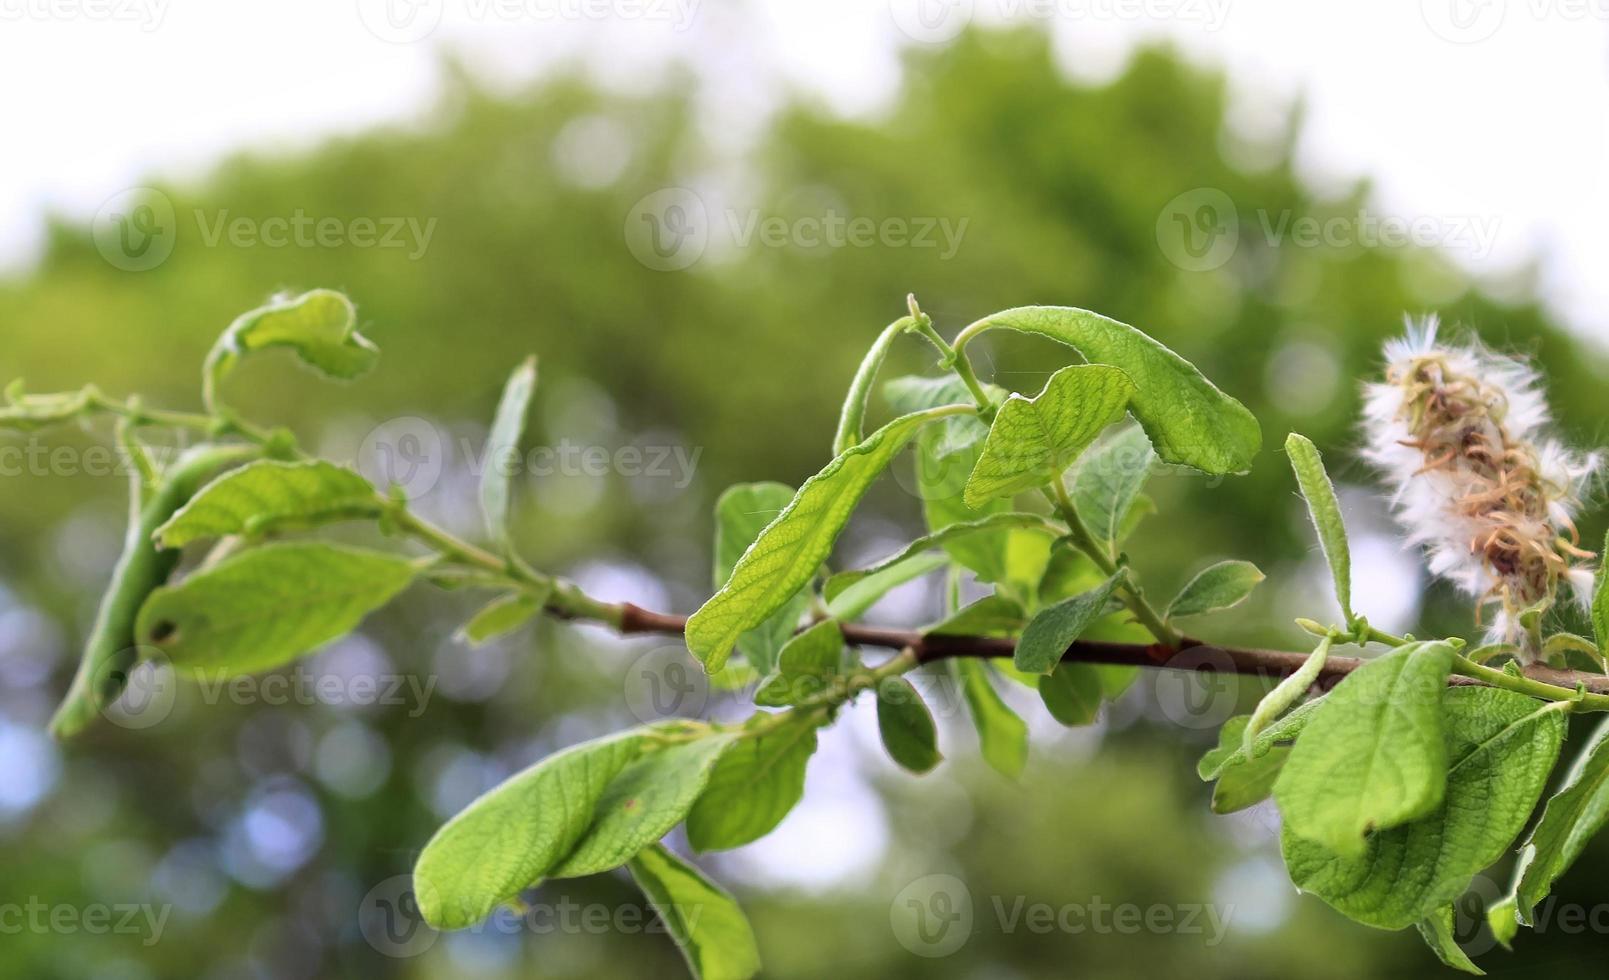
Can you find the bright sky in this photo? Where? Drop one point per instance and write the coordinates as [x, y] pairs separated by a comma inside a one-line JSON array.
[[1484, 119]]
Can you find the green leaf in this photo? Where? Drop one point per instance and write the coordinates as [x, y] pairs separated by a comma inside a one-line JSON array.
[[269, 495], [1002, 735], [1286, 693], [1250, 782], [1072, 693], [1034, 439], [1570, 819], [1325, 511], [788, 552], [850, 594], [753, 787], [503, 448], [1502, 919], [714, 936], [1600, 606], [1188, 420], [1107, 480], [641, 804], [320, 326], [958, 432], [853, 414], [1054, 629], [839, 584], [268, 606], [809, 665], [1437, 931], [501, 616], [1501, 746], [1231, 749], [1374, 755], [741, 513], [993, 615], [1219, 587], [906, 726], [30, 413], [515, 835]]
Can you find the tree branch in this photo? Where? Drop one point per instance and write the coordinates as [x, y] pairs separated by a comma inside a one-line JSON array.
[[1193, 654]]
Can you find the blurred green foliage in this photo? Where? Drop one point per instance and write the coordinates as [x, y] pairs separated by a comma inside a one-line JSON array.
[[743, 358]]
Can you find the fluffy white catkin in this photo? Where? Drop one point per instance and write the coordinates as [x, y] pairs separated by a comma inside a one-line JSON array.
[[1460, 434]]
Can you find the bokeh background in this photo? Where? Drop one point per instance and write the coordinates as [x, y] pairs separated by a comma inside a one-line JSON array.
[[1267, 197]]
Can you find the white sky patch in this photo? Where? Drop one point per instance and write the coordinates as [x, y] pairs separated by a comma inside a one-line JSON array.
[[1499, 125]]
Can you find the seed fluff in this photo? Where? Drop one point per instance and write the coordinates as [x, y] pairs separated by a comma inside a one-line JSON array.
[[1461, 435]]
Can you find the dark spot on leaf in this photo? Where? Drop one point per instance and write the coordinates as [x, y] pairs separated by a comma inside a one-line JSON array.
[[164, 631], [630, 805]]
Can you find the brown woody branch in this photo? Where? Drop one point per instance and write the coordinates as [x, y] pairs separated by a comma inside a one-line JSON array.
[[1191, 655]]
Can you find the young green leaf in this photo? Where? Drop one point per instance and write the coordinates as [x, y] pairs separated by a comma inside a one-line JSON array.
[[1034, 439], [29, 413], [1231, 749], [1570, 819], [915, 393], [270, 495], [993, 615], [714, 936], [1501, 746], [641, 804], [1325, 511], [513, 836], [1188, 420], [758, 780], [1072, 693], [111, 649], [1003, 735], [1250, 782], [1219, 587], [1504, 921], [1053, 630], [809, 665], [992, 525], [906, 726], [320, 326], [850, 594], [788, 552], [1286, 693], [500, 617], [267, 606], [853, 414], [1107, 480], [1437, 931], [502, 450], [741, 513], [1374, 755]]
